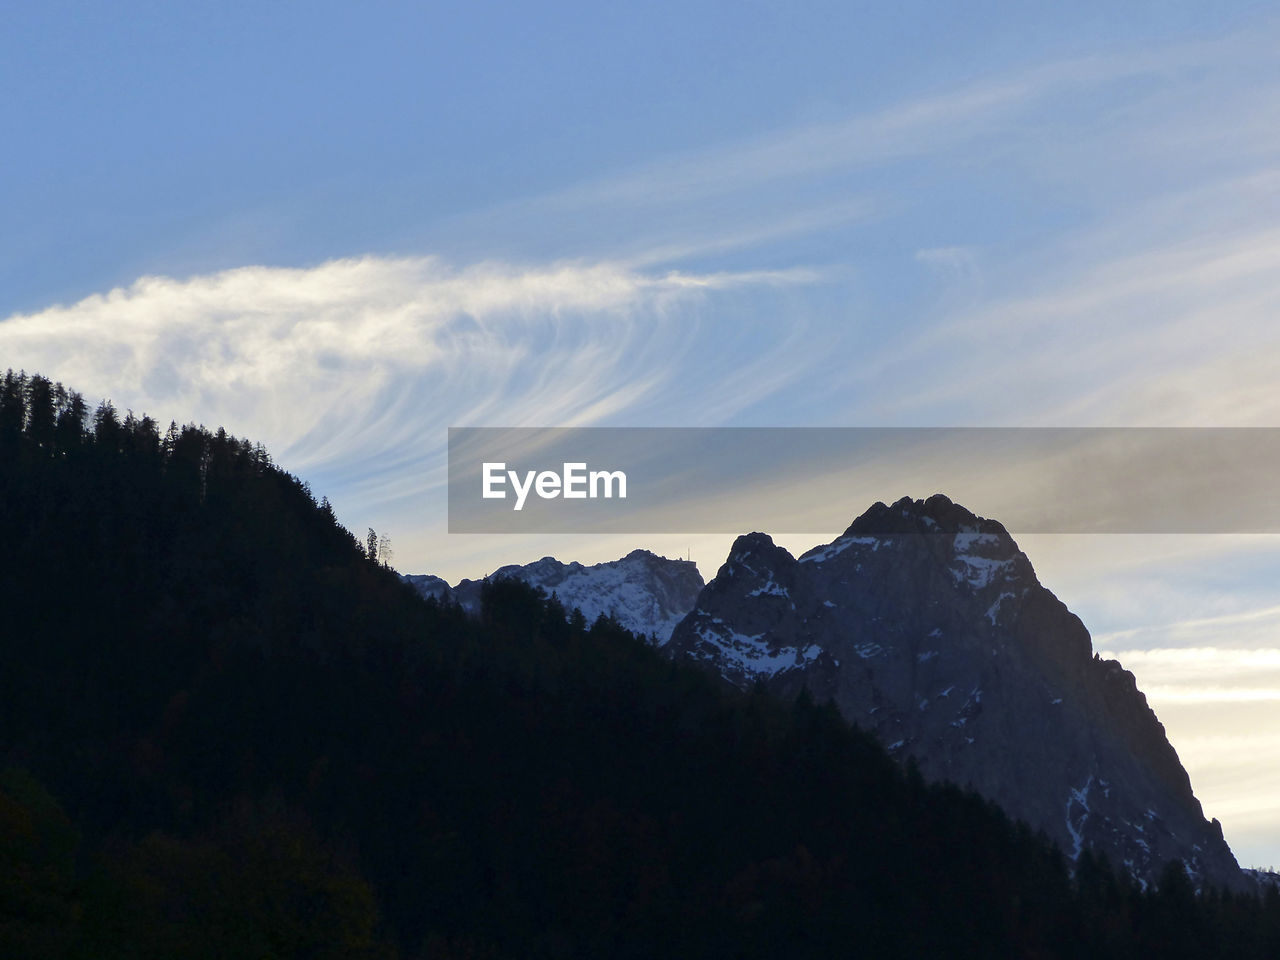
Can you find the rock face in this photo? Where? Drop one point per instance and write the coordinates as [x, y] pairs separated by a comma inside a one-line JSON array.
[[645, 593], [927, 625]]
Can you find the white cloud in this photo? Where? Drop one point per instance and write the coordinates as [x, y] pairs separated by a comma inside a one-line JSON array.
[[1177, 332], [1221, 709], [353, 358], [1181, 637], [1205, 674]]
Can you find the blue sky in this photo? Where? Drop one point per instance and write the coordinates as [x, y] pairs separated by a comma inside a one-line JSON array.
[[340, 229], [182, 138]]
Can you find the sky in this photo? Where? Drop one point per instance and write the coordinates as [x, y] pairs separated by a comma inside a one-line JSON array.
[[341, 229]]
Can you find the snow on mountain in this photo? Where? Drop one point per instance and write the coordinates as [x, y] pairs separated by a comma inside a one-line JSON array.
[[646, 593]]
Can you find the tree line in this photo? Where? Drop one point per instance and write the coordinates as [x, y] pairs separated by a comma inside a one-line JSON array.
[[227, 729]]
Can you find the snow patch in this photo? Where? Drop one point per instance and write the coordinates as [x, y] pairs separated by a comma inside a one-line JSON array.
[[837, 547], [964, 542], [751, 656], [1078, 797], [993, 611], [978, 572], [635, 590]]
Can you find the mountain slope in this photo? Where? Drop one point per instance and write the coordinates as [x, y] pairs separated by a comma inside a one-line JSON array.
[[927, 625]]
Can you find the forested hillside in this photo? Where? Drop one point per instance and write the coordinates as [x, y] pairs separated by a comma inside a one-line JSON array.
[[226, 731]]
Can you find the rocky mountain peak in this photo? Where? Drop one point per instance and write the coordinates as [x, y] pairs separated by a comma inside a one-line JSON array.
[[756, 555], [926, 623]]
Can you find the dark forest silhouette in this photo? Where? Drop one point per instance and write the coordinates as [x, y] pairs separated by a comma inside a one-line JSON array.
[[227, 731]]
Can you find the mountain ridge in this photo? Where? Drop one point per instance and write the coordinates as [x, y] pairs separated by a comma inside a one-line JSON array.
[[646, 593]]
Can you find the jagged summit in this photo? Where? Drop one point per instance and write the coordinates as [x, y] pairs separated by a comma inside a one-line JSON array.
[[938, 514], [755, 548]]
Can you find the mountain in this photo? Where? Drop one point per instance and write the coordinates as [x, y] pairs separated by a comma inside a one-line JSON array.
[[926, 625], [647, 594], [243, 736]]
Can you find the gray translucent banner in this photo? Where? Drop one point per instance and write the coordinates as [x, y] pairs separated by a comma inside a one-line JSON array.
[[816, 480]]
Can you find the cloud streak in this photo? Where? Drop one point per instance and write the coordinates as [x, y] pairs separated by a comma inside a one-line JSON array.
[[923, 125], [371, 358], [1205, 674]]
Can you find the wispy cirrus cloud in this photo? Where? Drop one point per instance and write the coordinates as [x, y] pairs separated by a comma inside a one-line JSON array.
[[1178, 333], [1095, 115], [359, 365], [925, 124]]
